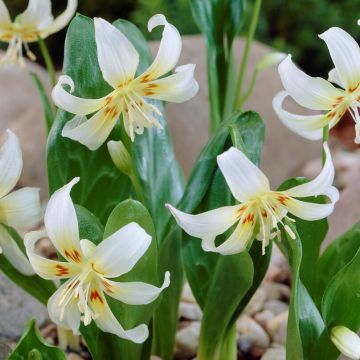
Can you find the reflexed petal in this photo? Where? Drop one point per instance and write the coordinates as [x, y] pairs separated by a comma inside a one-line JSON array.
[[135, 293], [169, 50], [4, 15], [12, 252], [62, 225], [21, 208], [118, 59], [208, 224], [334, 77], [92, 132], [235, 243], [10, 163], [37, 13], [73, 104], [243, 177], [310, 92], [320, 184], [307, 126], [107, 322], [71, 317], [118, 254], [46, 268], [178, 87], [345, 53], [62, 20], [309, 211]]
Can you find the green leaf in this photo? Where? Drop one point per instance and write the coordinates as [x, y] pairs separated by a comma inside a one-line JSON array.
[[33, 346], [334, 258], [37, 287], [102, 187], [311, 234]]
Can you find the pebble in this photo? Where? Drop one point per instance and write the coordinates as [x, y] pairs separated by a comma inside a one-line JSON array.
[[187, 340], [264, 317], [276, 306], [190, 311], [73, 356], [276, 291], [256, 303], [277, 327], [247, 326], [187, 295], [274, 354]]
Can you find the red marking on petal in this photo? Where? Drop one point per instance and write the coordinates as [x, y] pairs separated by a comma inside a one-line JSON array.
[[95, 296], [61, 270], [74, 255]]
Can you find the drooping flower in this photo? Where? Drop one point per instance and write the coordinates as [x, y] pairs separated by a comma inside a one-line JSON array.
[[34, 23], [319, 94], [89, 269], [119, 60], [347, 341], [261, 210], [20, 208]]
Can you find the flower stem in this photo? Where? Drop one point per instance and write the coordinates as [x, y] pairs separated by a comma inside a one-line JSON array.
[[48, 61], [250, 37], [325, 138], [243, 99]]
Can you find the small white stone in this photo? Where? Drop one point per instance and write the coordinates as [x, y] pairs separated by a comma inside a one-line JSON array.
[[187, 295], [246, 326], [190, 311], [187, 340], [256, 303], [276, 291], [274, 354], [277, 327], [276, 306], [264, 317]]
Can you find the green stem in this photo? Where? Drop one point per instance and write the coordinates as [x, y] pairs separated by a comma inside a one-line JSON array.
[[242, 100], [137, 187], [228, 349], [250, 37], [325, 138], [48, 61]]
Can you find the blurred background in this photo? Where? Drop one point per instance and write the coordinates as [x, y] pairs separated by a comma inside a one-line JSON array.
[[291, 26]]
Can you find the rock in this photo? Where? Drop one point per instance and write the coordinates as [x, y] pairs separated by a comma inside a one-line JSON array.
[[276, 306], [73, 356], [248, 327], [244, 344], [277, 327], [264, 317], [187, 340], [190, 311], [276, 291], [16, 309], [187, 295], [256, 303], [274, 354], [278, 269]]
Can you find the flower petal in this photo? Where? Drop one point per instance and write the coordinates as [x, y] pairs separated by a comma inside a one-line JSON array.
[[13, 254], [169, 50], [345, 53], [4, 15], [135, 293], [243, 177], [118, 254], [92, 132], [118, 59], [21, 208], [178, 87], [320, 184], [312, 93], [347, 341], [37, 14], [309, 211], [62, 225], [334, 77], [236, 243], [73, 104], [107, 322], [46, 268], [307, 126], [62, 20], [10, 163], [208, 224], [71, 317]]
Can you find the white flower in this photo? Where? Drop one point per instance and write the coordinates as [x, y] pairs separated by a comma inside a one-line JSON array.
[[20, 208], [346, 341], [119, 60], [319, 94], [89, 269], [261, 210], [34, 23]]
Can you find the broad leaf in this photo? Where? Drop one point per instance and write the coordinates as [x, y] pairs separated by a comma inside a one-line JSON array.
[[33, 346]]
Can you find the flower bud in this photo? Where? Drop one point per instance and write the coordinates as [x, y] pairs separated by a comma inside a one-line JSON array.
[[120, 156], [346, 341], [270, 60]]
